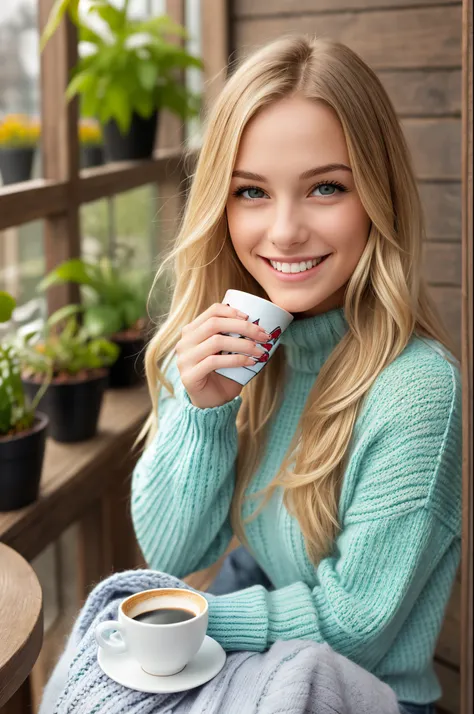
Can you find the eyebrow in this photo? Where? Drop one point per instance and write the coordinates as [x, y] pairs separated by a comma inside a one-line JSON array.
[[305, 175]]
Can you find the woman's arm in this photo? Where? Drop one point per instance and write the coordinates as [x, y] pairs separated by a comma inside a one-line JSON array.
[[182, 485], [401, 522]]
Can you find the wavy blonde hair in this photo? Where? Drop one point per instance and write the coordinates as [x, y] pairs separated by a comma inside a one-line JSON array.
[[386, 300]]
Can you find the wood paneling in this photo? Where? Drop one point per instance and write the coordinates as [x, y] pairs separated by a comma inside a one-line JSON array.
[[396, 38], [442, 208], [450, 684], [424, 93], [442, 263], [448, 301], [249, 8], [435, 146]]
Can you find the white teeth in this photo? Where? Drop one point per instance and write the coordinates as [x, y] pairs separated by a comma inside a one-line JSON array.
[[295, 267]]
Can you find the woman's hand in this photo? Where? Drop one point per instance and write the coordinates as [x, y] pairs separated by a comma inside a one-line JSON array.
[[198, 354]]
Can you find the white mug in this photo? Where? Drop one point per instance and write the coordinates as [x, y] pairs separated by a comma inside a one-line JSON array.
[[272, 318], [160, 649]]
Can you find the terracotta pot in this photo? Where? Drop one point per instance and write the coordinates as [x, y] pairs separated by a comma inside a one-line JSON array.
[[21, 457]]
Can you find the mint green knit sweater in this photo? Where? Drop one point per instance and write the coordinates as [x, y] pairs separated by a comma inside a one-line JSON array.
[[380, 597]]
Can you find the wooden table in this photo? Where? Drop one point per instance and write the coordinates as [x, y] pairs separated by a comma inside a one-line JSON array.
[[21, 622]]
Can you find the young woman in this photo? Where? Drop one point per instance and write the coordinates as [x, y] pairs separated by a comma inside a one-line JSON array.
[[339, 466]]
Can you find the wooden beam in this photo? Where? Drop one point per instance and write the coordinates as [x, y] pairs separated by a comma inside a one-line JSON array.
[[117, 177], [30, 201], [171, 130], [467, 615], [215, 47], [60, 149]]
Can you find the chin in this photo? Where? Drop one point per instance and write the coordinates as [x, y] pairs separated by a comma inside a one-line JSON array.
[[293, 303]]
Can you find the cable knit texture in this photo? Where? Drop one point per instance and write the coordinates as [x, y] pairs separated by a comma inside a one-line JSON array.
[[380, 597]]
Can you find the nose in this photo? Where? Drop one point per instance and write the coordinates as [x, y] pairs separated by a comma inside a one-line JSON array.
[[286, 229]]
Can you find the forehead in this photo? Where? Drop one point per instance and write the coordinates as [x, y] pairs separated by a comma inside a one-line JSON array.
[[293, 131]]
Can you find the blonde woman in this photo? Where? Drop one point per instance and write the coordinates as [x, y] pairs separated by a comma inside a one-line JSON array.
[[339, 465]]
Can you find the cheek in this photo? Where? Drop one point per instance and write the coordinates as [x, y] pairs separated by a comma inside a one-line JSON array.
[[346, 228], [244, 230]]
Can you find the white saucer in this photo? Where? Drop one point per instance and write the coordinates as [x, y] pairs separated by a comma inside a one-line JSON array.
[[122, 668]]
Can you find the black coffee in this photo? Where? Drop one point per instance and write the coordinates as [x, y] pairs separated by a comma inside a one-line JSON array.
[[165, 616]]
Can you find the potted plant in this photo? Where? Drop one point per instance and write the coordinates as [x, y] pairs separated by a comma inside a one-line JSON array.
[[74, 365], [115, 306], [19, 136], [131, 71], [22, 428], [91, 144]]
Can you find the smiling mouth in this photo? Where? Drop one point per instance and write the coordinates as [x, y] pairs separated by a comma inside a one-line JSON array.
[[295, 268]]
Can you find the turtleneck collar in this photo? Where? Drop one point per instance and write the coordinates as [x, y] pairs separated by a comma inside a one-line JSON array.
[[309, 341]]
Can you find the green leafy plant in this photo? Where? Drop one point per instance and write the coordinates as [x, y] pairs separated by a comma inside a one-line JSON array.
[[15, 413], [133, 67], [115, 301], [64, 349]]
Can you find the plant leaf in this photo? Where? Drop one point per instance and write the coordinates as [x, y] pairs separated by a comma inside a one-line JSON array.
[[63, 314], [57, 13], [102, 320], [71, 271], [7, 305]]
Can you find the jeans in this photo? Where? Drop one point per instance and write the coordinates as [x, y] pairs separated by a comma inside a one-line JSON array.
[[240, 571], [407, 708]]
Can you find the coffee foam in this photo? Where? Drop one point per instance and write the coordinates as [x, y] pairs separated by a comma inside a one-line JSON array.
[[154, 599]]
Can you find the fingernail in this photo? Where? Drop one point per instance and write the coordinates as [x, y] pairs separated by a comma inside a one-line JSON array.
[[242, 315]]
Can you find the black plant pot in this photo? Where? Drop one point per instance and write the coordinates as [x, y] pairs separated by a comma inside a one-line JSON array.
[[129, 369], [21, 457], [73, 407], [91, 155], [16, 163], [138, 143]]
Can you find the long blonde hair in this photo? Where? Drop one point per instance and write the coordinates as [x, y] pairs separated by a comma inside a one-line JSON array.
[[386, 300]]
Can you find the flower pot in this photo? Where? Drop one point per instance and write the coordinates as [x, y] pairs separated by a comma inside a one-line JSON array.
[[138, 143], [73, 405], [21, 457], [91, 155], [16, 163], [129, 369]]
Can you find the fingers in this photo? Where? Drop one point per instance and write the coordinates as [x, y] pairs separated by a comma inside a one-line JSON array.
[[201, 370]]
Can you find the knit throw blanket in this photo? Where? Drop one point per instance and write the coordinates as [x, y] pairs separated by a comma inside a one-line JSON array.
[[294, 677]]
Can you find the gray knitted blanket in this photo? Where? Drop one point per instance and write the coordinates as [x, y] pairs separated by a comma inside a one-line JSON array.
[[294, 677]]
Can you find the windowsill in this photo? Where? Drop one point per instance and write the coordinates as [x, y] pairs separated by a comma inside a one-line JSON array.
[[76, 475]]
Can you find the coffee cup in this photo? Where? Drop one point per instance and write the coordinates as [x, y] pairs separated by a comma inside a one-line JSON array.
[[163, 629], [264, 313]]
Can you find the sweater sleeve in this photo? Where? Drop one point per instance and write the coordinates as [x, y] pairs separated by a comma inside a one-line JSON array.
[[183, 483], [401, 524]]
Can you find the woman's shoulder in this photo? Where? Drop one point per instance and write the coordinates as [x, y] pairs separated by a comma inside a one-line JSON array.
[[425, 375]]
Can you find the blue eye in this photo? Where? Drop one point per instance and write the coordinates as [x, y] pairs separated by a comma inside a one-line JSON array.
[[329, 189], [250, 190]]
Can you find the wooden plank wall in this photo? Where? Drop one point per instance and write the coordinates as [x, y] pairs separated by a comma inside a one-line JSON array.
[[415, 48]]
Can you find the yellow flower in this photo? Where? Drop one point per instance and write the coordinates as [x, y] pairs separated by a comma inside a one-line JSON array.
[[19, 130], [89, 132]]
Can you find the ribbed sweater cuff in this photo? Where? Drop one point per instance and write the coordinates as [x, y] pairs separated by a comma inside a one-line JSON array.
[[212, 417], [254, 618], [239, 621]]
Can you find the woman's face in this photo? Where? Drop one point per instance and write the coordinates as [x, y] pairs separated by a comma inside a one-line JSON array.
[[293, 203]]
